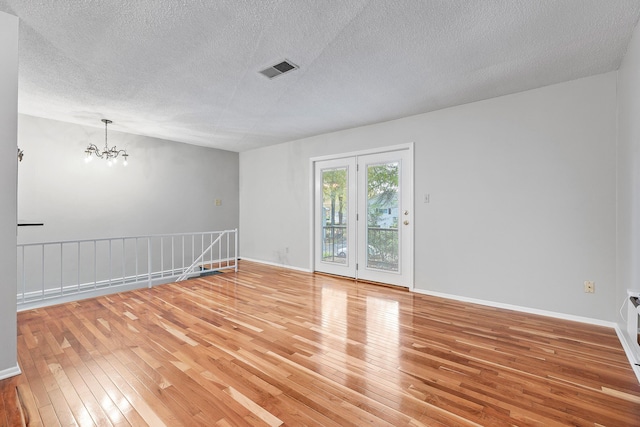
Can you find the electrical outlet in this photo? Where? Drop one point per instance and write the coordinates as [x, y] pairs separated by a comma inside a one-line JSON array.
[[589, 286]]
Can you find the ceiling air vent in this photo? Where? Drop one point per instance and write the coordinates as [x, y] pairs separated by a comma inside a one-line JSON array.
[[278, 69]]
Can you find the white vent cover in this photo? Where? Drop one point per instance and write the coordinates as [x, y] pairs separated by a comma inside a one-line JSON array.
[[279, 69]]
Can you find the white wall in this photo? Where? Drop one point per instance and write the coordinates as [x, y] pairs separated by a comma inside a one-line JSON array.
[[522, 192], [8, 164], [629, 172], [629, 168], [167, 187]]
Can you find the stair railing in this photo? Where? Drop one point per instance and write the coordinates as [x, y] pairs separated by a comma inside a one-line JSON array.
[[54, 272]]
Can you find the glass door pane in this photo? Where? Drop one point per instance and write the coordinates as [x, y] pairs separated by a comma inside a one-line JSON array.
[[335, 208], [382, 216]]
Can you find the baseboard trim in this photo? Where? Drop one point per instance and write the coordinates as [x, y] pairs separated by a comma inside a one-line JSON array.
[[522, 309], [10, 372], [289, 267], [624, 340]]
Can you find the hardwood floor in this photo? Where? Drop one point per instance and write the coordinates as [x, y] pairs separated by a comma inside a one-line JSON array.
[[268, 346]]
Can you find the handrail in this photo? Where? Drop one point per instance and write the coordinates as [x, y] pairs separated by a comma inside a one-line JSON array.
[[57, 271], [143, 236]]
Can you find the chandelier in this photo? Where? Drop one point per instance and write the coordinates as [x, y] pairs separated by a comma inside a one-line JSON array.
[[109, 154]]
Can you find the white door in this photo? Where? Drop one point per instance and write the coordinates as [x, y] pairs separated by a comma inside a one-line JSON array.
[[385, 213], [364, 217], [335, 205]]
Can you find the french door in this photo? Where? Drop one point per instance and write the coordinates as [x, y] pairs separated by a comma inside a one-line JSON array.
[[363, 217]]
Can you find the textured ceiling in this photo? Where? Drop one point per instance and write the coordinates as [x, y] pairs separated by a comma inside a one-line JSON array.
[[189, 70]]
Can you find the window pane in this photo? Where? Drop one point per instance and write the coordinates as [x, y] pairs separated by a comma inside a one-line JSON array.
[[334, 215], [382, 216]]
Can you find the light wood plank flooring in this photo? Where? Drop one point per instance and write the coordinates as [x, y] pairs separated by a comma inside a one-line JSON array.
[[268, 347]]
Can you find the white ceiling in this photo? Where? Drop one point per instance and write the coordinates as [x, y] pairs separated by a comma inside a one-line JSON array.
[[188, 70]]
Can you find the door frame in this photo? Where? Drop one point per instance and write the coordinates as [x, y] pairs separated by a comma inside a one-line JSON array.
[[410, 188]]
